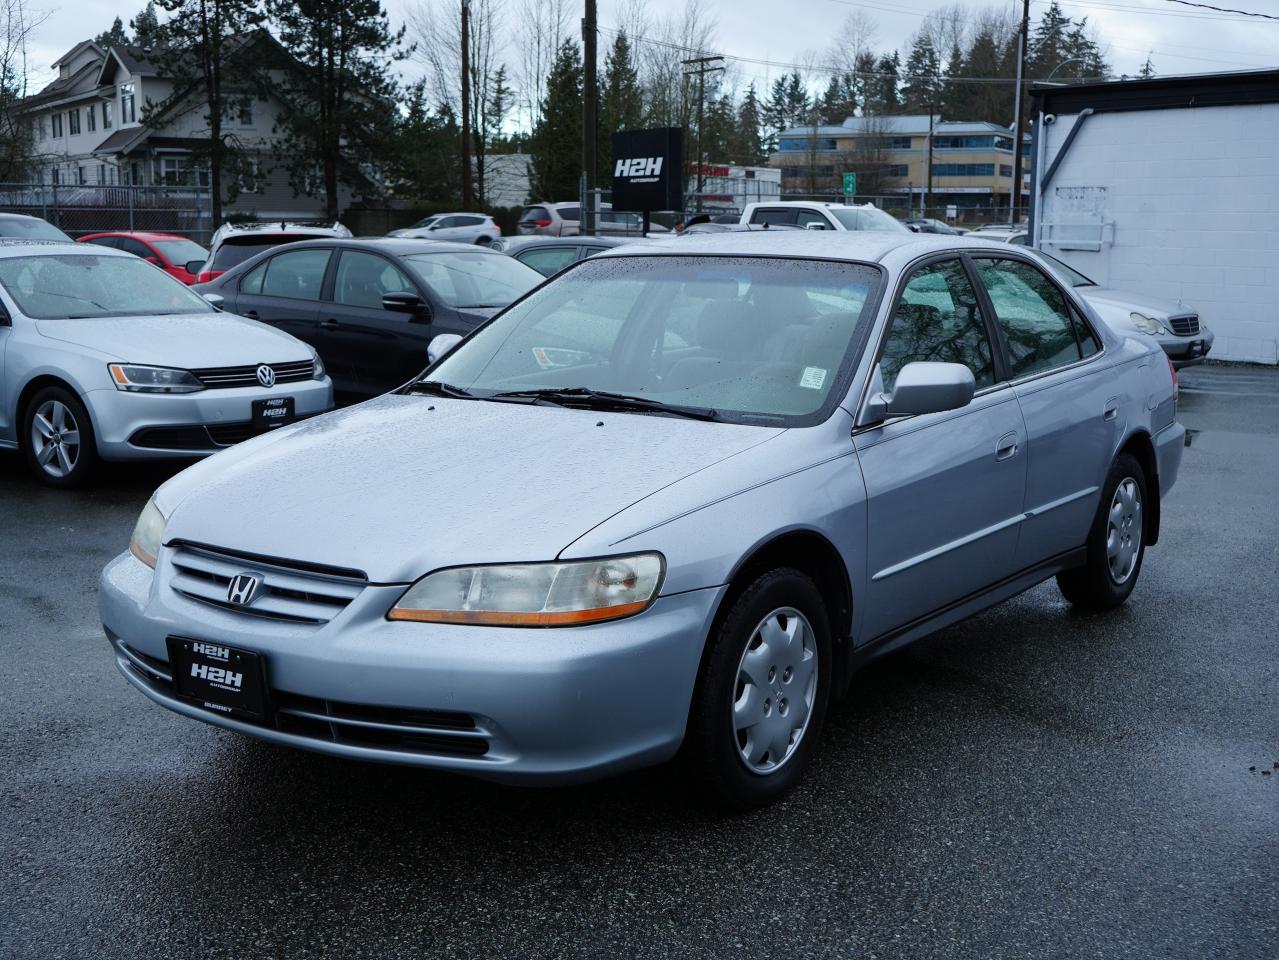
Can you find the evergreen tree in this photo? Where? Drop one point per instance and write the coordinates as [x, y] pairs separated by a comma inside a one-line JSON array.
[[721, 120], [1147, 70], [952, 92], [422, 159], [840, 98], [747, 148], [557, 139], [114, 37], [621, 102], [774, 116], [340, 90], [882, 95], [864, 68], [797, 105], [203, 48], [921, 90]]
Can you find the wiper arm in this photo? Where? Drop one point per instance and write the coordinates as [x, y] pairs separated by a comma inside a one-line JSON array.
[[605, 400], [440, 388]]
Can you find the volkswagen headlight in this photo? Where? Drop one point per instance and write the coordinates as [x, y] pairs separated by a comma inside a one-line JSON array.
[[1146, 324], [534, 594], [147, 534], [137, 378], [317, 366]]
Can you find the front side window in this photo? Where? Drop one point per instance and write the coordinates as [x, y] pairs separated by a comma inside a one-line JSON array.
[[1034, 316], [298, 275], [91, 285], [363, 278], [756, 339], [477, 279], [128, 103], [938, 318]]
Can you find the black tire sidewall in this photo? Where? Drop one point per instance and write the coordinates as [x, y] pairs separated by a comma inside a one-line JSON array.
[[87, 457], [710, 748], [1124, 467]]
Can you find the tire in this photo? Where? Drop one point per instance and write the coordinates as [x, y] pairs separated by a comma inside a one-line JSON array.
[[57, 438], [483, 241], [771, 654], [1116, 543]]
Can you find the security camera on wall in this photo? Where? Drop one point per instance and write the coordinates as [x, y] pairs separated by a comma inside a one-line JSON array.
[[1050, 118]]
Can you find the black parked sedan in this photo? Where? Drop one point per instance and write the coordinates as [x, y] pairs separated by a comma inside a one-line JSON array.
[[550, 255], [369, 307]]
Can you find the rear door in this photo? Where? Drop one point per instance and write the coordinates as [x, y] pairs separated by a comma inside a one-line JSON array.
[[1070, 403], [383, 348], [773, 215], [284, 291]]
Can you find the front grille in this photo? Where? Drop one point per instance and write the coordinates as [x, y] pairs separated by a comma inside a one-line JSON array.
[[223, 377], [402, 730], [292, 593], [1184, 326], [197, 437]]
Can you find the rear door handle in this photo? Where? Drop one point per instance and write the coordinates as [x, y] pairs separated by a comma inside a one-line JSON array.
[[1007, 447], [329, 324], [1112, 409], [251, 314]]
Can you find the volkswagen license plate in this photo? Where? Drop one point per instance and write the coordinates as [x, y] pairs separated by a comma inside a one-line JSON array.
[[272, 412]]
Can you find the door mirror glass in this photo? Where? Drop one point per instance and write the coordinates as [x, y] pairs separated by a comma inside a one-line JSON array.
[[440, 345], [194, 267], [215, 300], [924, 387]]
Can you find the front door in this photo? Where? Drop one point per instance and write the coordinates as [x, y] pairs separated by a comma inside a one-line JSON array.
[[284, 291], [944, 490], [1068, 397]]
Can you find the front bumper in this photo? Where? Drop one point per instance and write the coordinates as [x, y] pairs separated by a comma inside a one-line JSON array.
[[550, 705], [1187, 351], [132, 426]]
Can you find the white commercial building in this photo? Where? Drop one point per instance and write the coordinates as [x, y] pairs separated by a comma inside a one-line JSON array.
[[1169, 187]]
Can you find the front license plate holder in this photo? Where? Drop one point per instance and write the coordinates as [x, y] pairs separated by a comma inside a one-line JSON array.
[[220, 678], [273, 412]]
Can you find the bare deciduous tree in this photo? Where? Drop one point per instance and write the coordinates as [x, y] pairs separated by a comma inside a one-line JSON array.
[[543, 25], [17, 139]]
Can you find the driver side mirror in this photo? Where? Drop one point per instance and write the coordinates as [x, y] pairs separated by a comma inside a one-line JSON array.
[[440, 345], [403, 302], [193, 267], [814, 226], [922, 387], [216, 300]]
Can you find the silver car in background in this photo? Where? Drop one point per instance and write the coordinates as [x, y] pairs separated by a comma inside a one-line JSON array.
[[680, 492], [105, 356]]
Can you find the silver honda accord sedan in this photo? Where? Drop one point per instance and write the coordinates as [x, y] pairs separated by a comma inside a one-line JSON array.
[[104, 356], [663, 505]]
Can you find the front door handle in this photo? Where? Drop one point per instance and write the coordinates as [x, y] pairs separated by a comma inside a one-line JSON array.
[[251, 314], [1007, 447], [1112, 409], [329, 324]]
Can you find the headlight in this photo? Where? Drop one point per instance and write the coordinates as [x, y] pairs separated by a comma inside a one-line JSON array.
[[317, 366], [147, 534], [135, 378], [1146, 324], [534, 594]]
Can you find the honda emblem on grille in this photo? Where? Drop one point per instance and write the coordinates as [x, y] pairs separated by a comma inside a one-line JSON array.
[[242, 589], [266, 376]]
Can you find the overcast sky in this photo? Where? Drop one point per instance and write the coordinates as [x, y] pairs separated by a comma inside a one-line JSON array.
[[1179, 39]]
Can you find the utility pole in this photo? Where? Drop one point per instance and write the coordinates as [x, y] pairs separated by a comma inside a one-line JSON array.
[[1023, 39], [928, 192], [700, 67], [467, 193], [589, 113]]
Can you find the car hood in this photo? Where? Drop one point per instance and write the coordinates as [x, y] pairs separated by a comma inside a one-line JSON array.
[[1125, 302], [189, 341], [402, 485]]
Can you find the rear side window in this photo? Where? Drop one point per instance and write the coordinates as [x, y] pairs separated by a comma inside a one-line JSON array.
[[548, 261], [467, 221], [1033, 314], [298, 275], [773, 215], [535, 213], [938, 319], [570, 213], [104, 242], [235, 250]]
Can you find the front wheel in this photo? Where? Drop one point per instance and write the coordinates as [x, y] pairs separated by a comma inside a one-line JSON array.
[[762, 693], [58, 438], [1116, 543]]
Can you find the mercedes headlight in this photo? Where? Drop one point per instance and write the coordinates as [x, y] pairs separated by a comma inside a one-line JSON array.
[[1146, 324], [534, 594], [136, 378], [147, 534]]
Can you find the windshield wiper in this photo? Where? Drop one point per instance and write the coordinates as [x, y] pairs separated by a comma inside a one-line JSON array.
[[604, 400], [440, 388]]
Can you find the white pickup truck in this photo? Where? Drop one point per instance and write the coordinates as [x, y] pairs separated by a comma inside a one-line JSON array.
[[815, 215]]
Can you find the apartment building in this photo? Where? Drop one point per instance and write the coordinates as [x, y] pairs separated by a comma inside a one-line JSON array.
[[967, 164]]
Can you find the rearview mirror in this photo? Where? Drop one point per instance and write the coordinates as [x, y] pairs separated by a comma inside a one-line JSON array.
[[923, 387], [216, 300], [193, 267], [440, 345]]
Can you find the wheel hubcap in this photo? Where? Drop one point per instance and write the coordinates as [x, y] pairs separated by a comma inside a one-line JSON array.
[[1123, 531], [55, 438], [776, 682]]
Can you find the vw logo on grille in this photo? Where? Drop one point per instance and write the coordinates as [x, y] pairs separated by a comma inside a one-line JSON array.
[[242, 589], [266, 376]]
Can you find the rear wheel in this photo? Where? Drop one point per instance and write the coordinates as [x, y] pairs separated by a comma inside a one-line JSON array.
[[58, 438], [762, 693], [1116, 543]]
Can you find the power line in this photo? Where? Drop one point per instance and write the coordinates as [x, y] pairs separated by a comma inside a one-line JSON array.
[[1209, 6]]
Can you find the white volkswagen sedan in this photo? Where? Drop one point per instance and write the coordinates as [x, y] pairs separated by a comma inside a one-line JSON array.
[[104, 356]]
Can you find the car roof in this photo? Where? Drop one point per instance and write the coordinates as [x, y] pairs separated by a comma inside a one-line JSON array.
[[810, 204], [20, 216], [865, 246], [399, 246], [137, 235], [538, 240], [17, 246]]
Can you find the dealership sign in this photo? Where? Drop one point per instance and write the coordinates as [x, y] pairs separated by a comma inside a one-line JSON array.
[[647, 169]]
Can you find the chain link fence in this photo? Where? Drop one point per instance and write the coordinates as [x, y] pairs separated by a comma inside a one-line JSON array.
[[81, 210]]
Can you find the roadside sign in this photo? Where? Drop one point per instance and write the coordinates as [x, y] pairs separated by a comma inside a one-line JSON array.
[[850, 184], [952, 211]]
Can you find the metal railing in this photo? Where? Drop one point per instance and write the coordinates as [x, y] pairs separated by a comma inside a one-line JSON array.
[[97, 208]]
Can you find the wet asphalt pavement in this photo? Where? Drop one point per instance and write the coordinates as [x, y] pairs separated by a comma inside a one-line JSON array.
[[1031, 783]]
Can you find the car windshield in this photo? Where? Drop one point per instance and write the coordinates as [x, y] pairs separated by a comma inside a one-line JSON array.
[[754, 339], [30, 228], [1072, 276], [479, 279], [87, 286], [867, 218], [180, 251]]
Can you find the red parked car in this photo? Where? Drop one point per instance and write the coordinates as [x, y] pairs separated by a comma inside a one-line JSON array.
[[170, 252]]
